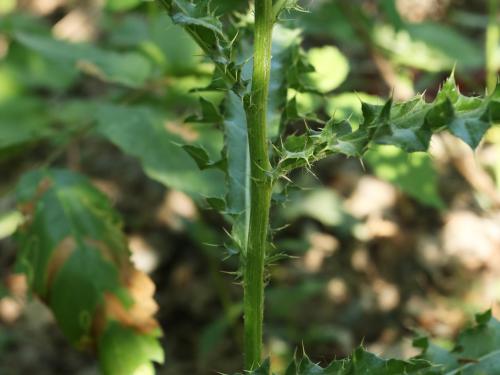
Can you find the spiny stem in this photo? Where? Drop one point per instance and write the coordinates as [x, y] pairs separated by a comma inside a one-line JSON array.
[[260, 185]]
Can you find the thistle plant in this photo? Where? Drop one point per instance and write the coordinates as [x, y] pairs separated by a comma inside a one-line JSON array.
[[257, 62]]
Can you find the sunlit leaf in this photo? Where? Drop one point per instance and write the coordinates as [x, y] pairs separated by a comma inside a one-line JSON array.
[[9, 222], [412, 173], [408, 125], [122, 5], [331, 68], [428, 46]]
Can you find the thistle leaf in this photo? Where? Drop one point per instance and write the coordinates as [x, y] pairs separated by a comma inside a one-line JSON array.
[[207, 30], [363, 362], [407, 125], [477, 351]]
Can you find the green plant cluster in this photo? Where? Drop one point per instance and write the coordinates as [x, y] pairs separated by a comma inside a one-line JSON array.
[[249, 135]]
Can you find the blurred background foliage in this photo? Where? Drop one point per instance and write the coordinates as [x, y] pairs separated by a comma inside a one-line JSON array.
[[380, 248]]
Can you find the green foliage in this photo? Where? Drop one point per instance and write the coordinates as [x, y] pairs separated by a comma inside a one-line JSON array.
[[407, 125], [200, 21], [412, 173], [476, 352], [324, 78], [76, 260], [34, 118], [135, 352], [129, 69], [150, 137], [9, 222], [428, 46], [363, 362], [72, 239], [122, 5]]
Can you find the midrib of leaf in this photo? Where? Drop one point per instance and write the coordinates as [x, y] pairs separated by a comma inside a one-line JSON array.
[[238, 159], [475, 363]]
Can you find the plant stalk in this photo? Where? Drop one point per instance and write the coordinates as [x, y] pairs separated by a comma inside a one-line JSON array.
[[492, 40], [260, 185]]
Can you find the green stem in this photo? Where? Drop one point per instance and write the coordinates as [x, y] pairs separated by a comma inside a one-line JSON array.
[[260, 185], [492, 39]]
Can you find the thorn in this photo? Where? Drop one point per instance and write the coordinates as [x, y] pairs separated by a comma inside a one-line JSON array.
[[362, 165]]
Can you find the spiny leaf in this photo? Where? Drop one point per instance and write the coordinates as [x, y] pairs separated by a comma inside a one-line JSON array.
[[407, 125], [263, 369], [76, 260], [207, 30], [202, 159], [209, 113], [362, 362], [477, 350]]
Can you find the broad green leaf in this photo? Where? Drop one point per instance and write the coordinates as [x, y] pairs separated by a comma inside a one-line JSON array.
[[327, 19], [167, 44], [23, 121], [331, 68], [129, 69], [323, 205], [123, 351], [30, 70], [413, 173], [155, 141], [75, 257], [7, 6], [428, 46], [122, 5], [9, 222]]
